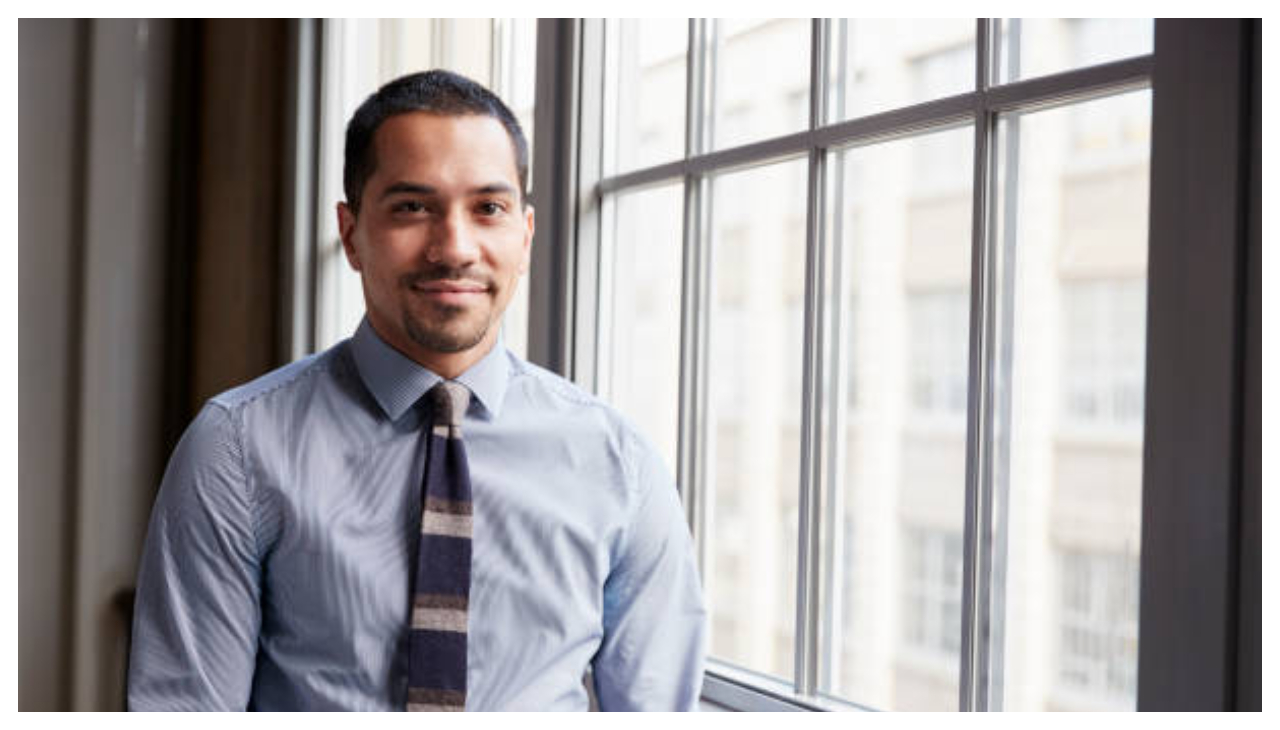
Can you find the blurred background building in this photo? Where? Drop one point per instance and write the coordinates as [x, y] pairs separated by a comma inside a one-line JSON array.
[[177, 184]]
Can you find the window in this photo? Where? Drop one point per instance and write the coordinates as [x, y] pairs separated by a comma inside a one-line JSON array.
[[643, 376], [1098, 634], [870, 355], [886, 129], [649, 57], [761, 79], [1033, 47], [754, 411], [1075, 407], [931, 595], [939, 326], [1104, 363], [878, 64], [360, 56]]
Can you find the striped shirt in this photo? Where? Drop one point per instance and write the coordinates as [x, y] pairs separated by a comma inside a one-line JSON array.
[[277, 568]]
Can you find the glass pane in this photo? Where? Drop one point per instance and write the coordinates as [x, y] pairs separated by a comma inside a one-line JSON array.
[[762, 79], [463, 45], [1033, 47], [893, 603], [641, 338], [648, 78], [883, 63], [515, 81], [1075, 196], [753, 447]]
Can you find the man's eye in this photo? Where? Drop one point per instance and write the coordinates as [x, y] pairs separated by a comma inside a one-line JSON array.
[[409, 206], [490, 208]]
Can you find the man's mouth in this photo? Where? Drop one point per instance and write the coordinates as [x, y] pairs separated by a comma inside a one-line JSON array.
[[451, 292]]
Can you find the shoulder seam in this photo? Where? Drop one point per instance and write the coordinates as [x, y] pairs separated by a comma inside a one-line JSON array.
[[235, 414], [561, 386], [320, 365], [235, 420], [255, 513]]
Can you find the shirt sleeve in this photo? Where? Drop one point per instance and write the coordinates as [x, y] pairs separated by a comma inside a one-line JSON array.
[[197, 615], [654, 646]]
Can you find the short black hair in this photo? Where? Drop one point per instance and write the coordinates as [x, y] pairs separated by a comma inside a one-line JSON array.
[[435, 92]]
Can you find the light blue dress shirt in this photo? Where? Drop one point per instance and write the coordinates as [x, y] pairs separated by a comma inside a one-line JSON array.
[[276, 570]]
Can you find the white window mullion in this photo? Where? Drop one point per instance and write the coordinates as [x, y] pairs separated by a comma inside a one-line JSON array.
[[817, 342], [976, 592]]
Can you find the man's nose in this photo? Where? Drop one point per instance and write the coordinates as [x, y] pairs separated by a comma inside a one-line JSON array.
[[453, 242]]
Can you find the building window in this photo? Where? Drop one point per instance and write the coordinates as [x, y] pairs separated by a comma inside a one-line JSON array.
[[1104, 362], [1098, 630], [939, 334], [934, 561]]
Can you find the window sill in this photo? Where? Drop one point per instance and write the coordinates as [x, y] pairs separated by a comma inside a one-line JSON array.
[[726, 687]]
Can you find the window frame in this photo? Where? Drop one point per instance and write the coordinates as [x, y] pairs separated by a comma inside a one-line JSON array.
[[1211, 491], [1200, 555], [978, 108]]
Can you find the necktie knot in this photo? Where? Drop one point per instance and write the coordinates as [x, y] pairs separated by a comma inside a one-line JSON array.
[[449, 400]]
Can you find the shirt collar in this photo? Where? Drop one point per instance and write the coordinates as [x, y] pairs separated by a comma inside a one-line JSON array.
[[398, 382]]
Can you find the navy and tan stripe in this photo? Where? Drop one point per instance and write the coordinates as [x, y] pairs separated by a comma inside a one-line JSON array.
[[439, 600], [453, 507], [435, 700], [438, 621], [444, 523]]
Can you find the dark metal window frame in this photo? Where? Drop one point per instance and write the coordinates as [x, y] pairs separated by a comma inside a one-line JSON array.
[[1200, 606]]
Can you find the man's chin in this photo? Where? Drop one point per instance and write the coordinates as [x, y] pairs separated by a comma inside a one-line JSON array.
[[446, 337]]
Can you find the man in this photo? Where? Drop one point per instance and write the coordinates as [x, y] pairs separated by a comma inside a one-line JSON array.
[[416, 518]]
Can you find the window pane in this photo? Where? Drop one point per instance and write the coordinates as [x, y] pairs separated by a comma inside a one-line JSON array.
[[753, 447], [647, 88], [464, 45], [641, 338], [1076, 196], [903, 227], [1033, 47], [762, 79], [883, 63], [515, 81]]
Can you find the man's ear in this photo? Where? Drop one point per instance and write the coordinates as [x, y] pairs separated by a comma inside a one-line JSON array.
[[528, 237], [346, 230]]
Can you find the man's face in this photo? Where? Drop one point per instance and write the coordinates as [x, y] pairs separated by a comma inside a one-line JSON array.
[[441, 238]]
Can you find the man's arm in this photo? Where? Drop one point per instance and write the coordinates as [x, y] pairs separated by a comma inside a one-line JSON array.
[[196, 616], [655, 632]]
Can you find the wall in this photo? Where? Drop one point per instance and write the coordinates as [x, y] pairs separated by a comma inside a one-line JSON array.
[[51, 68], [93, 173]]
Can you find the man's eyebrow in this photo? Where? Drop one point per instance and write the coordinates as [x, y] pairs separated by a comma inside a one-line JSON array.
[[402, 188], [407, 187], [497, 188]]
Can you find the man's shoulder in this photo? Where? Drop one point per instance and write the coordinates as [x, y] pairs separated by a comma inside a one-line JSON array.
[[556, 396], [553, 393], [536, 381], [283, 382]]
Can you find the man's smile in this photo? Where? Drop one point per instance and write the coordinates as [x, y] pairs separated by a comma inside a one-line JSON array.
[[451, 292]]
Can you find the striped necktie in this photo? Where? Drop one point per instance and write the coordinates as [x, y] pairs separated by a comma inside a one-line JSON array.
[[438, 633]]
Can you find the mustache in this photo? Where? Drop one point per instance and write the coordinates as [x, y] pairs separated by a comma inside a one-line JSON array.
[[447, 274]]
